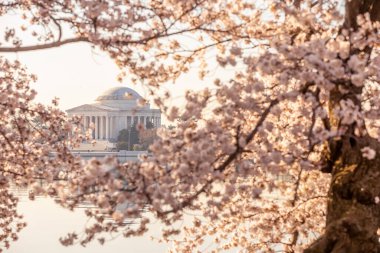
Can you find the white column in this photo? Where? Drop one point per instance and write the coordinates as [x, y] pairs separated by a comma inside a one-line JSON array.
[[93, 120], [117, 124], [101, 128], [92, 129], [107, 128], [84, 123], [104, 126], [111, 127], [96, 128], [88, 122]]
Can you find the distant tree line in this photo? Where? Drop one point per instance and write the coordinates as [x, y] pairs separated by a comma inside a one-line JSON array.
[[136, 138]]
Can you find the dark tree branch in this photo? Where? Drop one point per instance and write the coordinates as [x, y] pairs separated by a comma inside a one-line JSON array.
[[42, 46]]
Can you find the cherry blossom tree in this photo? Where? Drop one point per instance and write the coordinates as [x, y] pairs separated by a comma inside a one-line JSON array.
[[34, 144], [303, 100]]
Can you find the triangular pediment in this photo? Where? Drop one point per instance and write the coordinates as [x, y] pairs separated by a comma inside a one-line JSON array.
[[89, 108]]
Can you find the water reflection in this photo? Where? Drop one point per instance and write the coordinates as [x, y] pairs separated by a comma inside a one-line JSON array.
[[47, 222]]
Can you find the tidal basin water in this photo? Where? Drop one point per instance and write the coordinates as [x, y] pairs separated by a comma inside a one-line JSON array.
[[47, 222]]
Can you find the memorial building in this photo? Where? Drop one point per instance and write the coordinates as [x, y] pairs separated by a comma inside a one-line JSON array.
[[116, 109]]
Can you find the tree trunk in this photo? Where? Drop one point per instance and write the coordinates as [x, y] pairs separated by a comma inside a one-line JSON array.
[[353, 212], [353, 208]]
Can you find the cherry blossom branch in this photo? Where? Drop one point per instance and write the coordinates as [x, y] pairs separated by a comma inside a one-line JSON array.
[[9, 4], [284, 216], [234, 155], [185, 13], [227, 162], [296, 188], [42, 46], [250, 136]]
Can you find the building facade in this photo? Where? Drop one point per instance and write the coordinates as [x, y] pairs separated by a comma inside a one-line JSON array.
[[114, 110]]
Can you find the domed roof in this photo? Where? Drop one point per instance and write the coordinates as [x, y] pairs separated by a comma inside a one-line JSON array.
[[119, 93]]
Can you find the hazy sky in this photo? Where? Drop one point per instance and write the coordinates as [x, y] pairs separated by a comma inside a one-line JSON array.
[[74, 73], [78, 74]]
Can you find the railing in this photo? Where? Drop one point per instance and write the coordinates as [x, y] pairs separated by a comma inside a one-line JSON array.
[[122, 155]]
